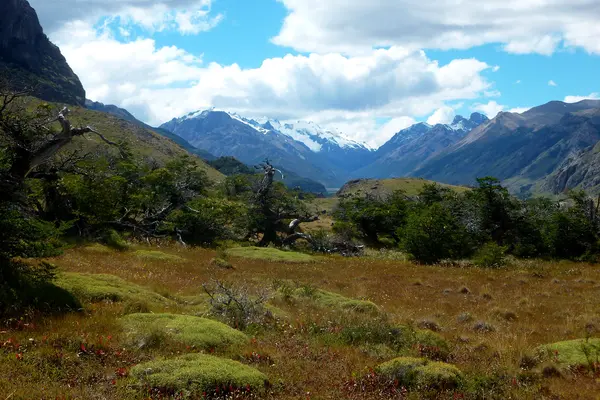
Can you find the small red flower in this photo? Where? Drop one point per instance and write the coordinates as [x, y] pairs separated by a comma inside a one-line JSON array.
[[19, 356]]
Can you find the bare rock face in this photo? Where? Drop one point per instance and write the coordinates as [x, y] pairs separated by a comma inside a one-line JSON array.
[[29, 59]]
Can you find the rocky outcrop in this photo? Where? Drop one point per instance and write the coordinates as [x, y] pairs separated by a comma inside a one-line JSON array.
[[29, 59]]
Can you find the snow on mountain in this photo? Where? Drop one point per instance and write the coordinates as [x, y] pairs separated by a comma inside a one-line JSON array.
[[313, 136]]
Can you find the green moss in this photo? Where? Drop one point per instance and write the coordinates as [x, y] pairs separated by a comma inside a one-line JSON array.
[[156, 255], [197, 373], [572, 352], [325, 299], [270, 254], [100, 287], [337, 301], [420, 373], [186, 329]]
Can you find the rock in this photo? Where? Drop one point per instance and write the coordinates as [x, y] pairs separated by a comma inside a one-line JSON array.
[[28, 58]]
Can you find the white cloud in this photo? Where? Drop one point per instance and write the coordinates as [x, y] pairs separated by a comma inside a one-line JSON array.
[[518, 82], [522, 26], [519, 110], [496, 68], [552, 83], [443, 115], [157, 84], [576, 99], [185, 16], [491, 109]]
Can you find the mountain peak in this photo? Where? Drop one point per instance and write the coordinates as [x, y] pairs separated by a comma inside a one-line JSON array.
[[29, 59], [457, 119], [478, 118]]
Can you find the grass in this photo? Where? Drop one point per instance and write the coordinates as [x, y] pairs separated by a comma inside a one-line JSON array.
[[189, 330], [311, 348], [270, 254], [197, 374], [156, 255], [411, 186]]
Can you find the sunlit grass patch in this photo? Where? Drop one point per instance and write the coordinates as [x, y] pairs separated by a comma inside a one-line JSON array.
[[324, 299], [194, 331], [156, 255], [99, 248], [95, 288], [579, 352], [198, 374], [270, 254], [419, 372]]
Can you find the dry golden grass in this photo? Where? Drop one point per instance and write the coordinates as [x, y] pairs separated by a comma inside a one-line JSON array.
[[526, 305]]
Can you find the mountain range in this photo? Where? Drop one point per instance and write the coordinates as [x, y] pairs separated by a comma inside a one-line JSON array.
[[547, 149]]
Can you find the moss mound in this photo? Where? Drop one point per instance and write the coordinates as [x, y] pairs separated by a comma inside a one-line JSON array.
[[420, 373], [144, 329], [156, 255], [95, 288], [270, 254], [572, 353], [197, 374], [335, 300]]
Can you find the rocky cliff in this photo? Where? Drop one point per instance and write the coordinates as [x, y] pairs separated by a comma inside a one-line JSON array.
[[29, 59]]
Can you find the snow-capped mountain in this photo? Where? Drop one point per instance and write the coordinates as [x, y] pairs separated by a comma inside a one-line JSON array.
[[303, 147], [411, 147]]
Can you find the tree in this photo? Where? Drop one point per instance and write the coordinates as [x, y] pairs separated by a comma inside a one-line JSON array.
[[273, 213], [432, 233], [374, 216]]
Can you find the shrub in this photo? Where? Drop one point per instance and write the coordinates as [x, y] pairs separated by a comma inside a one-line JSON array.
[[234, 305], [491, 255], [198, 374], [113, 240], [199, 332], [221, 263]]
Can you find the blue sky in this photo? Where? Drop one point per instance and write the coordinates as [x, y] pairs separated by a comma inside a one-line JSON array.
[[367, 69]]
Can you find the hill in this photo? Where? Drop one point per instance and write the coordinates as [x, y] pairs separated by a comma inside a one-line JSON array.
[[127, 116], [29, 60], [232, 166], [411, 186], [143, 141]]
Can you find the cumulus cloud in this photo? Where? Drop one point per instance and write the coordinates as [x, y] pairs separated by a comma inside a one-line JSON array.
[[443, 115], [522, 26], [519, 110], [575, 99], [165, 82], [552, 83], [185, 16], [491, 109]]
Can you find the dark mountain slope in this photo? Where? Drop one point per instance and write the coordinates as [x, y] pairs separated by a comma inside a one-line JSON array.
[[29, 60]]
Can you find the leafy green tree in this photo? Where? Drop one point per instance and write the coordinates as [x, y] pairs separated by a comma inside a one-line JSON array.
[[374, 216], [432, 233]]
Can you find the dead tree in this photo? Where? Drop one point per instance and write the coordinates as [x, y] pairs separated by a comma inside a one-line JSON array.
[[29, 138]]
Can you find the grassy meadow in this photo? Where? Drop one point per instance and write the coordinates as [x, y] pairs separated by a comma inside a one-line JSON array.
[[336, 326]]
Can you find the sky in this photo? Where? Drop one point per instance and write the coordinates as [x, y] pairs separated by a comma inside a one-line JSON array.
[[365, 68]]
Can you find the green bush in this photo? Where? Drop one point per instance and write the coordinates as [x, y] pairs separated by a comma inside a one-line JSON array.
[[113, 240], [198, 375], [491, 255]]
